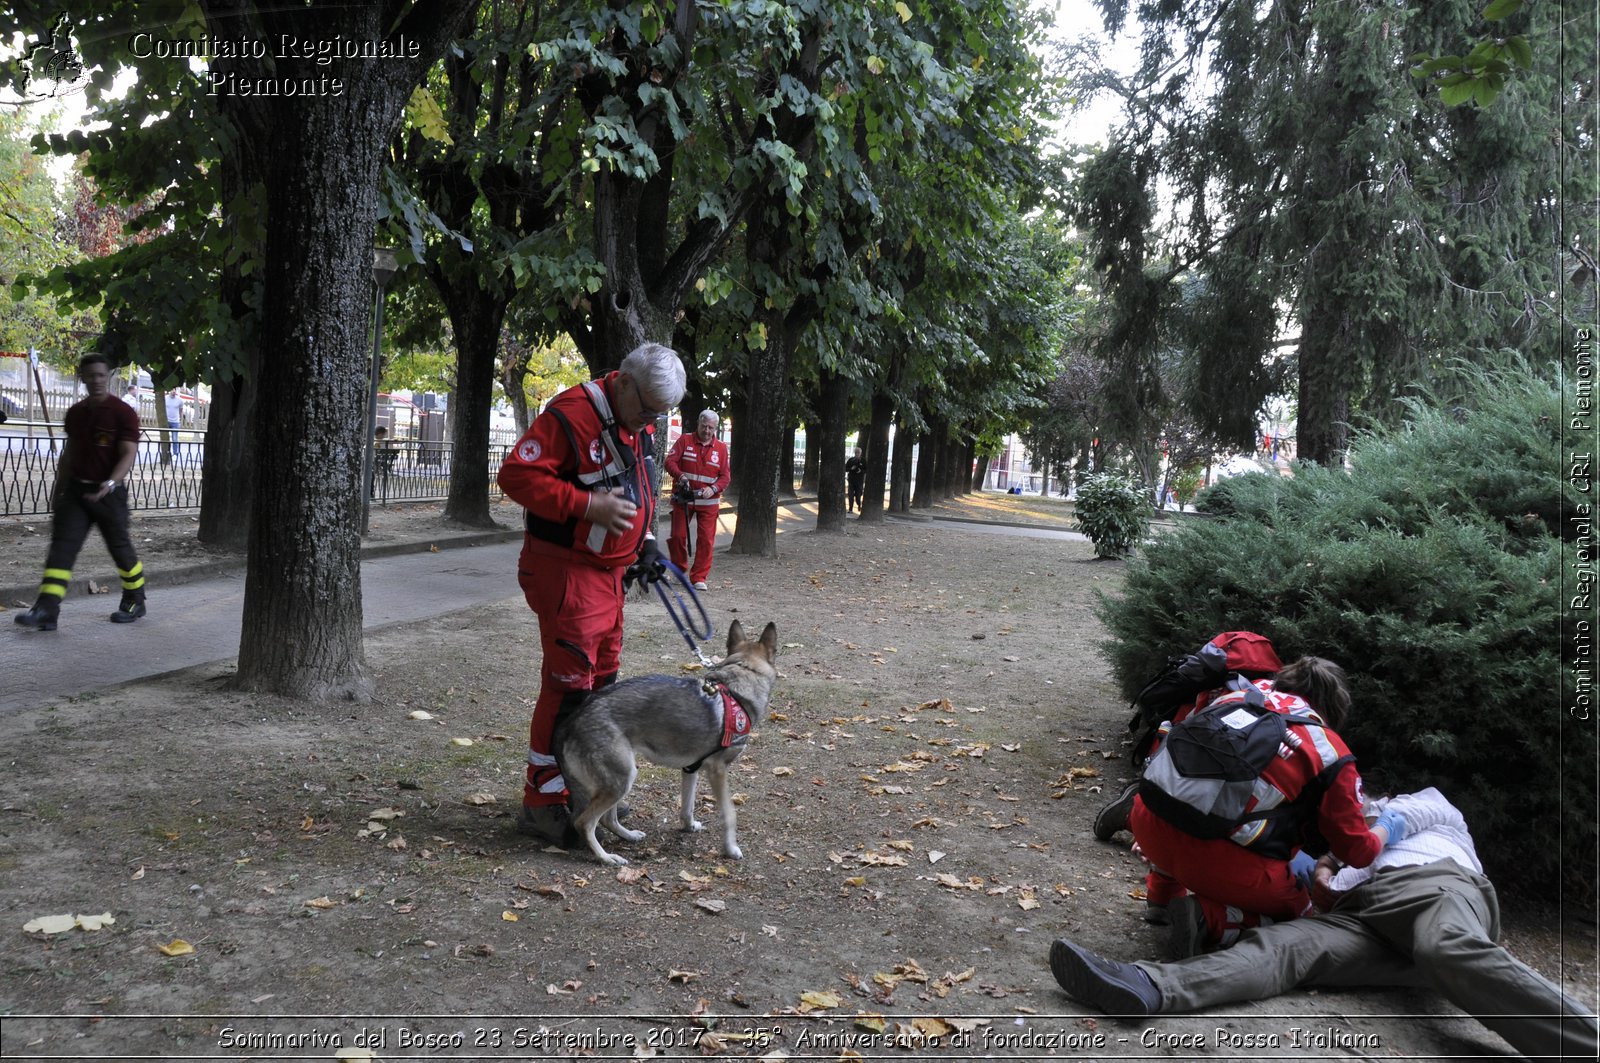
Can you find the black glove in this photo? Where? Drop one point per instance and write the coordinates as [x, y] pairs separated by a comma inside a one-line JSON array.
[[647, 569]]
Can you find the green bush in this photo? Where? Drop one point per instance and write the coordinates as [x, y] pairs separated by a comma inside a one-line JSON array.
[[1112, 511], [1431, 571]]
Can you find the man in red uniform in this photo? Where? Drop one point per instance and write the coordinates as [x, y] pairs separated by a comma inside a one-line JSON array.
[[698, 465], [582, 474], [102, 443]]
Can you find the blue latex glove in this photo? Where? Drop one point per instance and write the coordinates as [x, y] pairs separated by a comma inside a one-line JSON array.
[[1301, 864], [1394, 823]]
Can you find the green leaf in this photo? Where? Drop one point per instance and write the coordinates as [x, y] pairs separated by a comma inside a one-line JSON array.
[[1501, 9], [1521, 51], [1454, 95], [903, 11]]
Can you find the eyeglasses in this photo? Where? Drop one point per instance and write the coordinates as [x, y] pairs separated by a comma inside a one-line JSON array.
[[644, 411]]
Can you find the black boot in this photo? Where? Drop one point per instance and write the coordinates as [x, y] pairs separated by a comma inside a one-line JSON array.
[[131, 609], [43, 615]]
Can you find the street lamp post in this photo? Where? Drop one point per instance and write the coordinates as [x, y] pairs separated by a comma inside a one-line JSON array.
[[384, 266]]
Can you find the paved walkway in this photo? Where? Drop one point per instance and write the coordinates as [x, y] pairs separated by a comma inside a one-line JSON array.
[[194, 617]]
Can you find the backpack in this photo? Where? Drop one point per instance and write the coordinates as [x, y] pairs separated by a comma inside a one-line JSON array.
[[1230, 654], [1204, 776]]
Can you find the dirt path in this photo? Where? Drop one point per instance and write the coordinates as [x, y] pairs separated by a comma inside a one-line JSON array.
[[915, 820]]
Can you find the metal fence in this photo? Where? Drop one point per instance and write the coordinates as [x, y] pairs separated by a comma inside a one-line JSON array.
[[167, 473]]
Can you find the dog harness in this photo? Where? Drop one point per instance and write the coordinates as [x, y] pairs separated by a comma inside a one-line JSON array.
[[735, 720]]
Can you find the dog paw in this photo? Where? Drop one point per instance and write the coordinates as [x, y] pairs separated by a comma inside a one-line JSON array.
[[630, 835], [733, 852], [694, 826], [613, 859]]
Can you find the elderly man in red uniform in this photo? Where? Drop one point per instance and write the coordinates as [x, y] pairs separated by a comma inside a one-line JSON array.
[[583, 473], [699, 466]]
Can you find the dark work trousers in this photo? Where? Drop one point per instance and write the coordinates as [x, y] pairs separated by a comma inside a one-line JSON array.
[[74, 515]]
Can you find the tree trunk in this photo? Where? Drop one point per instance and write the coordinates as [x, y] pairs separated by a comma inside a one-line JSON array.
[[302, 614], [905, 442], [827, 440], [1323, 433], [927, 458], [979, 475], [228, 466], [761, 455], [786, 463], [476, 317], [877, 457]]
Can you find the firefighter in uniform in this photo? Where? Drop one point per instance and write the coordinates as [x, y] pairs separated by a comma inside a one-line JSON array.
[[583, 473], [1259, 874], [102, 443], [698, 465]]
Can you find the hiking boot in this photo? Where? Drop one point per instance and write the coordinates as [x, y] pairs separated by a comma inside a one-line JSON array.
[[131, 609], [1191, 934], [1113, 987], [40, 617], [551, 824], [1114, 817], [1156, 914]]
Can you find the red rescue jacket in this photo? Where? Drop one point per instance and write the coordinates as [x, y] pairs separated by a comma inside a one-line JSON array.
[[700, 465], [575, 447]]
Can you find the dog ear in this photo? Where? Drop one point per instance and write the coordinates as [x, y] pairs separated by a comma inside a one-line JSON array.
[[735, 636], [769, 641]]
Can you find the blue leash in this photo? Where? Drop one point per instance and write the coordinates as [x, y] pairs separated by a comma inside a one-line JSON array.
[[678, 609]]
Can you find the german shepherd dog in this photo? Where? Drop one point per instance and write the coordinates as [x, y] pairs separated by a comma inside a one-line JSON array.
[[698, 724]]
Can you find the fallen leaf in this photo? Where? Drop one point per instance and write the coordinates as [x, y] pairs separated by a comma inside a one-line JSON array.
[[821, 999], [934, 856], [1027, 904], [420, 714], [1011, 659], [398, 844], [480, 799], [386, 813], [175, 947], [675, 975], [903, 846], [510, 917], [321, 903], [711, 904], [461, 741], [855, 881], [869, 1020], [783, 771], [137, 875], [50, 924], [95, 922], [931, 1027]]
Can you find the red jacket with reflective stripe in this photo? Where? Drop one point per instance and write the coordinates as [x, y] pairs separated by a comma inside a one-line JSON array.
[[1307, 750], [700, 465], [551, 475]]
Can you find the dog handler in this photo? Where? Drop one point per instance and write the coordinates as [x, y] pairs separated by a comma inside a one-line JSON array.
[[699, 465], [102, 443], [581, 473]]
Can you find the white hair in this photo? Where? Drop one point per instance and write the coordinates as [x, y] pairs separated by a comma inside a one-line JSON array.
[[657, 370], [709, 415]]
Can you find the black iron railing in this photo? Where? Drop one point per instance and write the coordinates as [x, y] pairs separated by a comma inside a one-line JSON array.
[[167, 474]]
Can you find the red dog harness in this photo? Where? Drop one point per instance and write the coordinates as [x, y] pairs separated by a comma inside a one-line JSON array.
[[735, 720]]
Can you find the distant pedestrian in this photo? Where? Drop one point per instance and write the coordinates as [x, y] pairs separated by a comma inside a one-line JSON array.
[[698, 465], [855, 477], [174, 411], [102, 443]]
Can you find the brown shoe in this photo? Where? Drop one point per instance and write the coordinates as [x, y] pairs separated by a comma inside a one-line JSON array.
[[551, 824]]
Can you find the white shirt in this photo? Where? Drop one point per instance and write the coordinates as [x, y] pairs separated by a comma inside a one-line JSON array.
[[1435, 830]]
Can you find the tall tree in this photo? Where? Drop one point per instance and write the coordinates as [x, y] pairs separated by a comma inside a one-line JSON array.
[[1309, 171], [323, 145]]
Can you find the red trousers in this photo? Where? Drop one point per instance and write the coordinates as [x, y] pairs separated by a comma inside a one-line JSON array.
[[1235, 887], [705, 538], [580, 634]]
